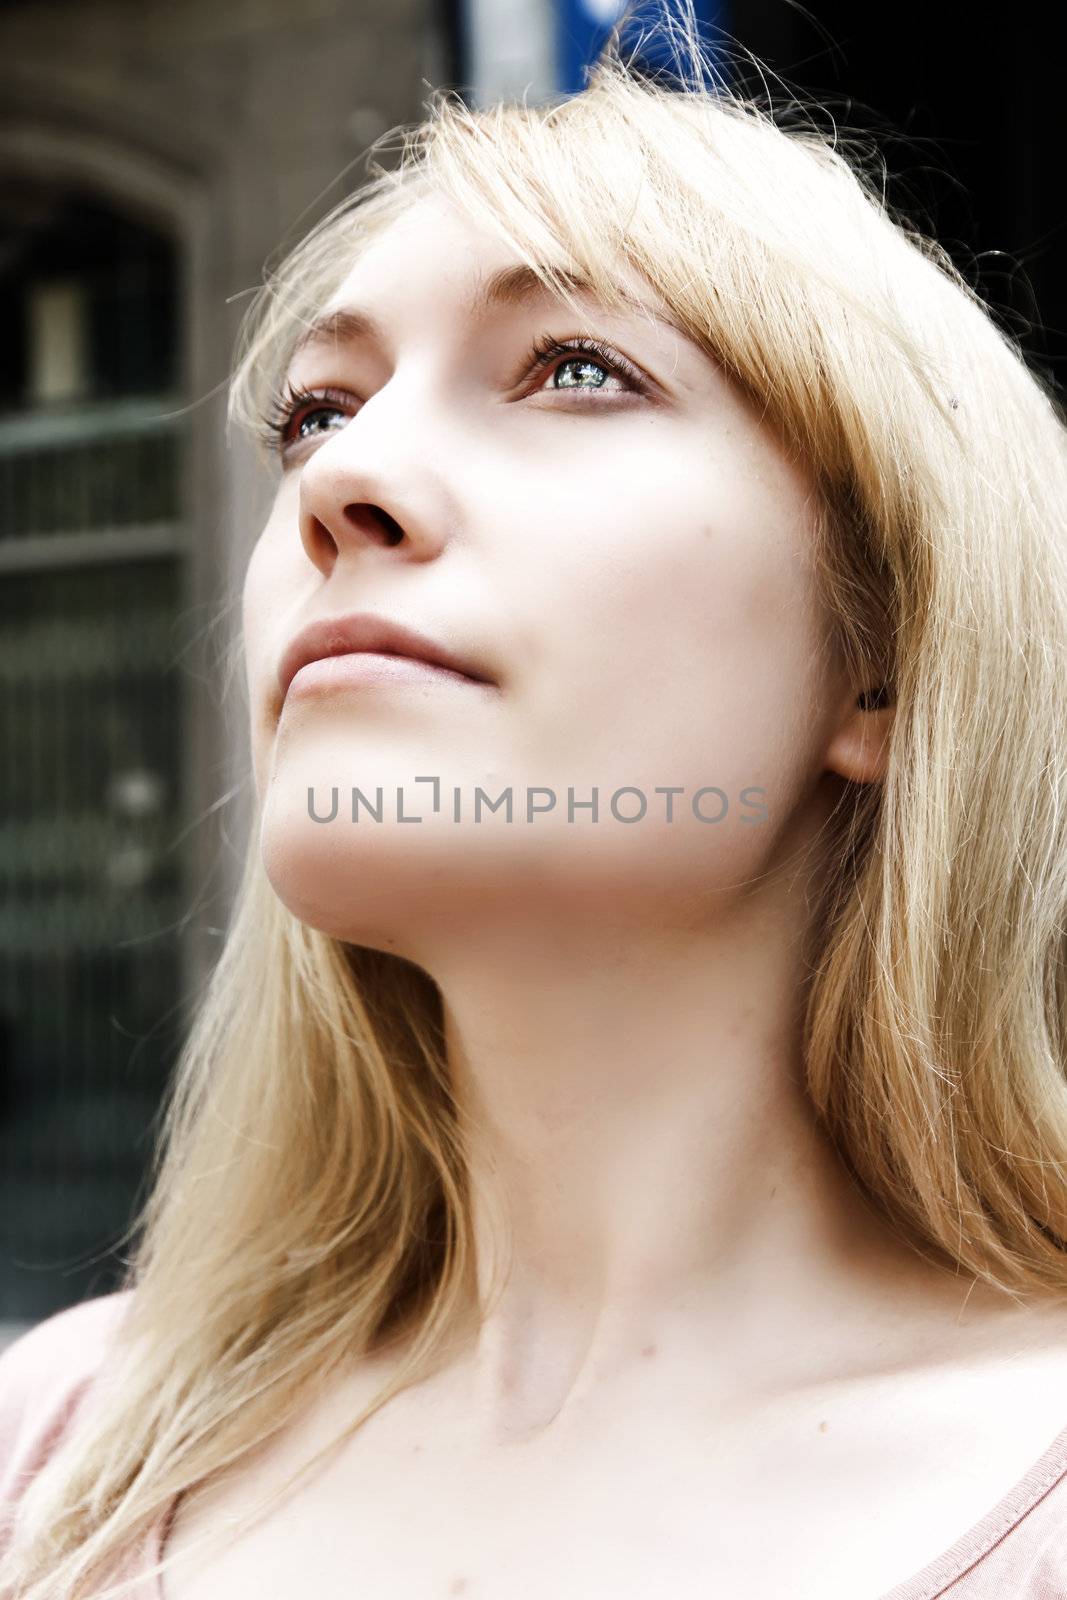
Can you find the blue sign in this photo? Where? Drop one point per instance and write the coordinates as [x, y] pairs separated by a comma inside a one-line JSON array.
[[583, 26]]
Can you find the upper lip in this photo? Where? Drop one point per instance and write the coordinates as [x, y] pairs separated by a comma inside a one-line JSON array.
[[362, 631]]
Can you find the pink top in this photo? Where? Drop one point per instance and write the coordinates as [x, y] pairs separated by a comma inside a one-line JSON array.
[[1017, 1551]]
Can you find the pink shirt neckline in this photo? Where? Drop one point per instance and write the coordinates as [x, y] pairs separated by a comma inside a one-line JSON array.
[[926, 1584], [984, 1535]]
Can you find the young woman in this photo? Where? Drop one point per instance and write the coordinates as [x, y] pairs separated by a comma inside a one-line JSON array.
[[623, 1150]]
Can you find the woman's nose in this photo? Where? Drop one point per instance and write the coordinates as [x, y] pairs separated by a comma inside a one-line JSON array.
[[326, 531], [369, 488]]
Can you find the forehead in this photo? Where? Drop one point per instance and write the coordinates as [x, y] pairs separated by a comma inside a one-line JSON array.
[[434, 257], [434, 238]]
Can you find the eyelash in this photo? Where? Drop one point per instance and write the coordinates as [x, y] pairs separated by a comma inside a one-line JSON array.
[[275, 427]]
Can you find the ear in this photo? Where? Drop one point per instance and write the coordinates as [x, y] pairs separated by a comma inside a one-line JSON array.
[[859, 749]]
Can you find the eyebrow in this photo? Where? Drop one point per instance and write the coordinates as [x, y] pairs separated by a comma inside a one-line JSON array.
[[512, 286]]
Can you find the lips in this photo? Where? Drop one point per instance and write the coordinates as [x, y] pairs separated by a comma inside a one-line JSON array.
[[349, 635]]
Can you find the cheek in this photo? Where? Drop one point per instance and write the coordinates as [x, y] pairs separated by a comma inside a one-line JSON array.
[[256, 602], [686, 639], [273, 591], [277, 570]]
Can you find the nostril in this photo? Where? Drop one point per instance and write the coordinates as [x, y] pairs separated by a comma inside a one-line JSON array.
[[391, 530]]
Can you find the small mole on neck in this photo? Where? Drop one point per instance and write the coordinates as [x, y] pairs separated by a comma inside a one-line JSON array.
[[649, 1350], [457, 1586]]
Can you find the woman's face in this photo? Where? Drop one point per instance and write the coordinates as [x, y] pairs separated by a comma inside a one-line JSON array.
[[625, 554]]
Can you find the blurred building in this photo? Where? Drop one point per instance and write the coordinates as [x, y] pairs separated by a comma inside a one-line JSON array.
[[152, 156]]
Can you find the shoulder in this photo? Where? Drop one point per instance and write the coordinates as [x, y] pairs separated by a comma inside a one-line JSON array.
[[44, 1375], [57, 1354]]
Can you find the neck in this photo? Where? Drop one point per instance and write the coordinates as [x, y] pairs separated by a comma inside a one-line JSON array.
[[647, 1171]]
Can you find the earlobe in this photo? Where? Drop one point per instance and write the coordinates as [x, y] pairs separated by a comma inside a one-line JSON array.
[[859, 750]]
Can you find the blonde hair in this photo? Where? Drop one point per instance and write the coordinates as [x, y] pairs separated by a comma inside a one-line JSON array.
[[309, 1193]]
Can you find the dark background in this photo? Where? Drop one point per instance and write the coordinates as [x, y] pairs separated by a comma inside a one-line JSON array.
[[967, 108]]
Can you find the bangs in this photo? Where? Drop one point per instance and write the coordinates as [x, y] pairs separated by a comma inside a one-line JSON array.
[[762, 247]]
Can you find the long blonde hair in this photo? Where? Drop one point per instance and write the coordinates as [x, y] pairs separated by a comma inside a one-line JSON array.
[[309, 1197]]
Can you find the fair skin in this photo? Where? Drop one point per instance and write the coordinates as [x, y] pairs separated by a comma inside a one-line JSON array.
[[704, 1325]]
